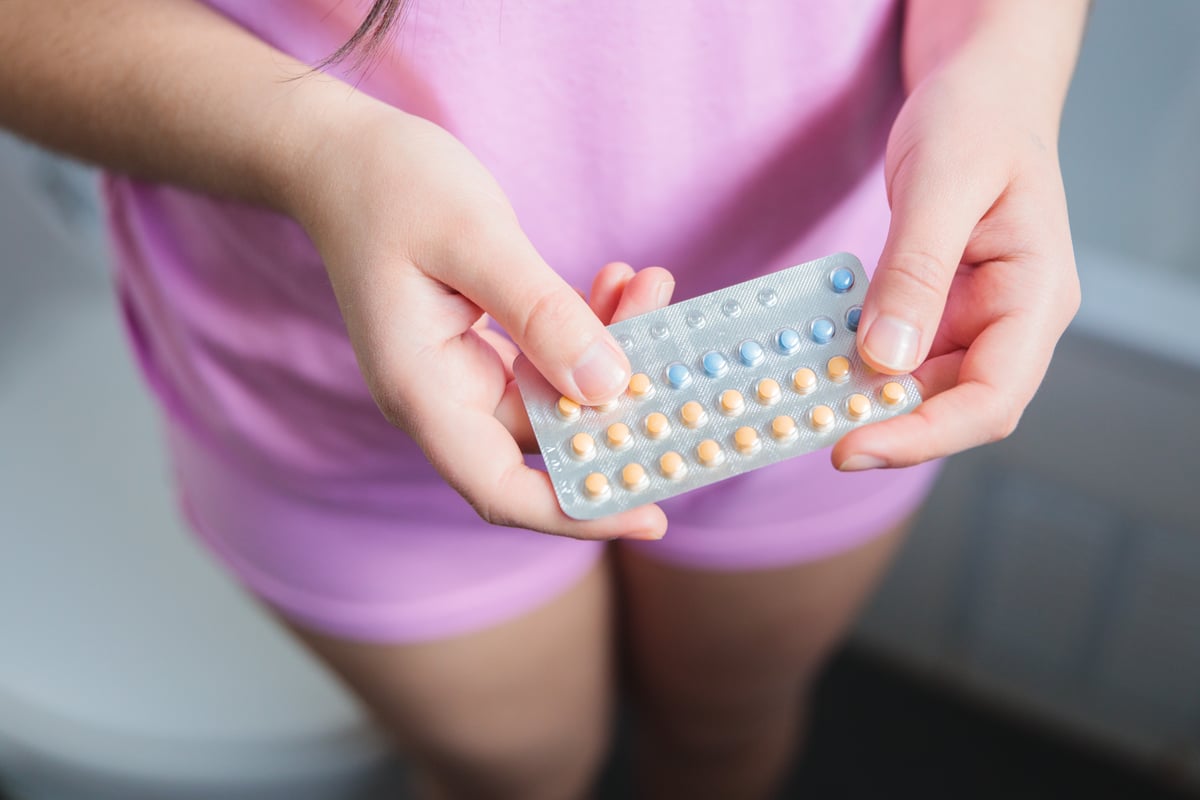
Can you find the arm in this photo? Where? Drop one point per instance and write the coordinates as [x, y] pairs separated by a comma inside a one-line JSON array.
[[418, 239], [1032, 44], [166, 90], [977, 279]]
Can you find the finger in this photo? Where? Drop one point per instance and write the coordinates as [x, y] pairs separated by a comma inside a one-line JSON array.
[[934, 209], [607, 287], [482, 323], [649, 289], [936, 375], [503, 274], [503, 346], [479, 458], [643, 292], [997, 378], [939, 373], [512, 415]]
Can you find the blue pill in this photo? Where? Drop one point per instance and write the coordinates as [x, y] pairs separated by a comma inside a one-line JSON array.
[[842, 279], [822, 330], [678, 375], [714, 364], [852, 318], [788, 341], [750, 352]]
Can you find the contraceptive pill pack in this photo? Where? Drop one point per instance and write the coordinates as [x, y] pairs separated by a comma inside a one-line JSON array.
[[722, 384]]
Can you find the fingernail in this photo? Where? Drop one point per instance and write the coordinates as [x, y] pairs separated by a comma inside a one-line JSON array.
[[859, 462], [893, 344], [601, 373], [647, 536], [665, 290]]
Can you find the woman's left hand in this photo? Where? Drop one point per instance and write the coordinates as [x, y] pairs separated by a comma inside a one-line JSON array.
[[977, 279]]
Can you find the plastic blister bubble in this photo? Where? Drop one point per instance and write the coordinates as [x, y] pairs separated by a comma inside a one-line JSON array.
[[760, 329]]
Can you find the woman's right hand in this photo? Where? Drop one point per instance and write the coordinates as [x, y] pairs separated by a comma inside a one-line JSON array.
[[422, 246]]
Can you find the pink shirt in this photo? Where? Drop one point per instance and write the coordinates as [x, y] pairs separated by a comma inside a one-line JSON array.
[[719, 139]]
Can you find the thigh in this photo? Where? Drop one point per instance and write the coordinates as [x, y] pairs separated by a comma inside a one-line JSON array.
[[713, 653], [517, 710]]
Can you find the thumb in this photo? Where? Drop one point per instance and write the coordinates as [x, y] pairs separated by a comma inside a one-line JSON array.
[[554, 327], [930, 228]]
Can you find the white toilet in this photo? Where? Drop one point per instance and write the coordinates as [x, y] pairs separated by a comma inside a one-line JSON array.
[[131, 667]]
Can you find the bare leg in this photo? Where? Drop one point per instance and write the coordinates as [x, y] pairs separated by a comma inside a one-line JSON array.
[[722, 664], [517, 711]]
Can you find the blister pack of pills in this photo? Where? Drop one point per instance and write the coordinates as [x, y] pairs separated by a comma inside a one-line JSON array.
[[722, 384]]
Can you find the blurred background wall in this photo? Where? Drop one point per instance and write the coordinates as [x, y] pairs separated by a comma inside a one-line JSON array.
[[1057, 573]]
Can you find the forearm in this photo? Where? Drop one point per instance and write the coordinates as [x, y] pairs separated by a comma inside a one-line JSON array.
[[166, 90], [1022, 49]]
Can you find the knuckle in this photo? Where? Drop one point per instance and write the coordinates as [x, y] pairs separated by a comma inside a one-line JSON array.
[[489, 503], [550, 314], [1003, 421], [486, 510], [1073, 298], [928, 443], [904, 156], [394, 409], [922, 270], [1004, 429]]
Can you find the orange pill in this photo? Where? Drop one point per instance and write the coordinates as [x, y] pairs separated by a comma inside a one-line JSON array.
[[568, 409], [892, 393], [657, 425], [709, 453], [583, 446], [693, 414], [634, 477], [745, 439], [821, 417], [838, 368], [732, 403], [596, 485], [640, 385], [805, 380], [768, 391], [671, 464], [858, 406], [618, 435], [783, 427]]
